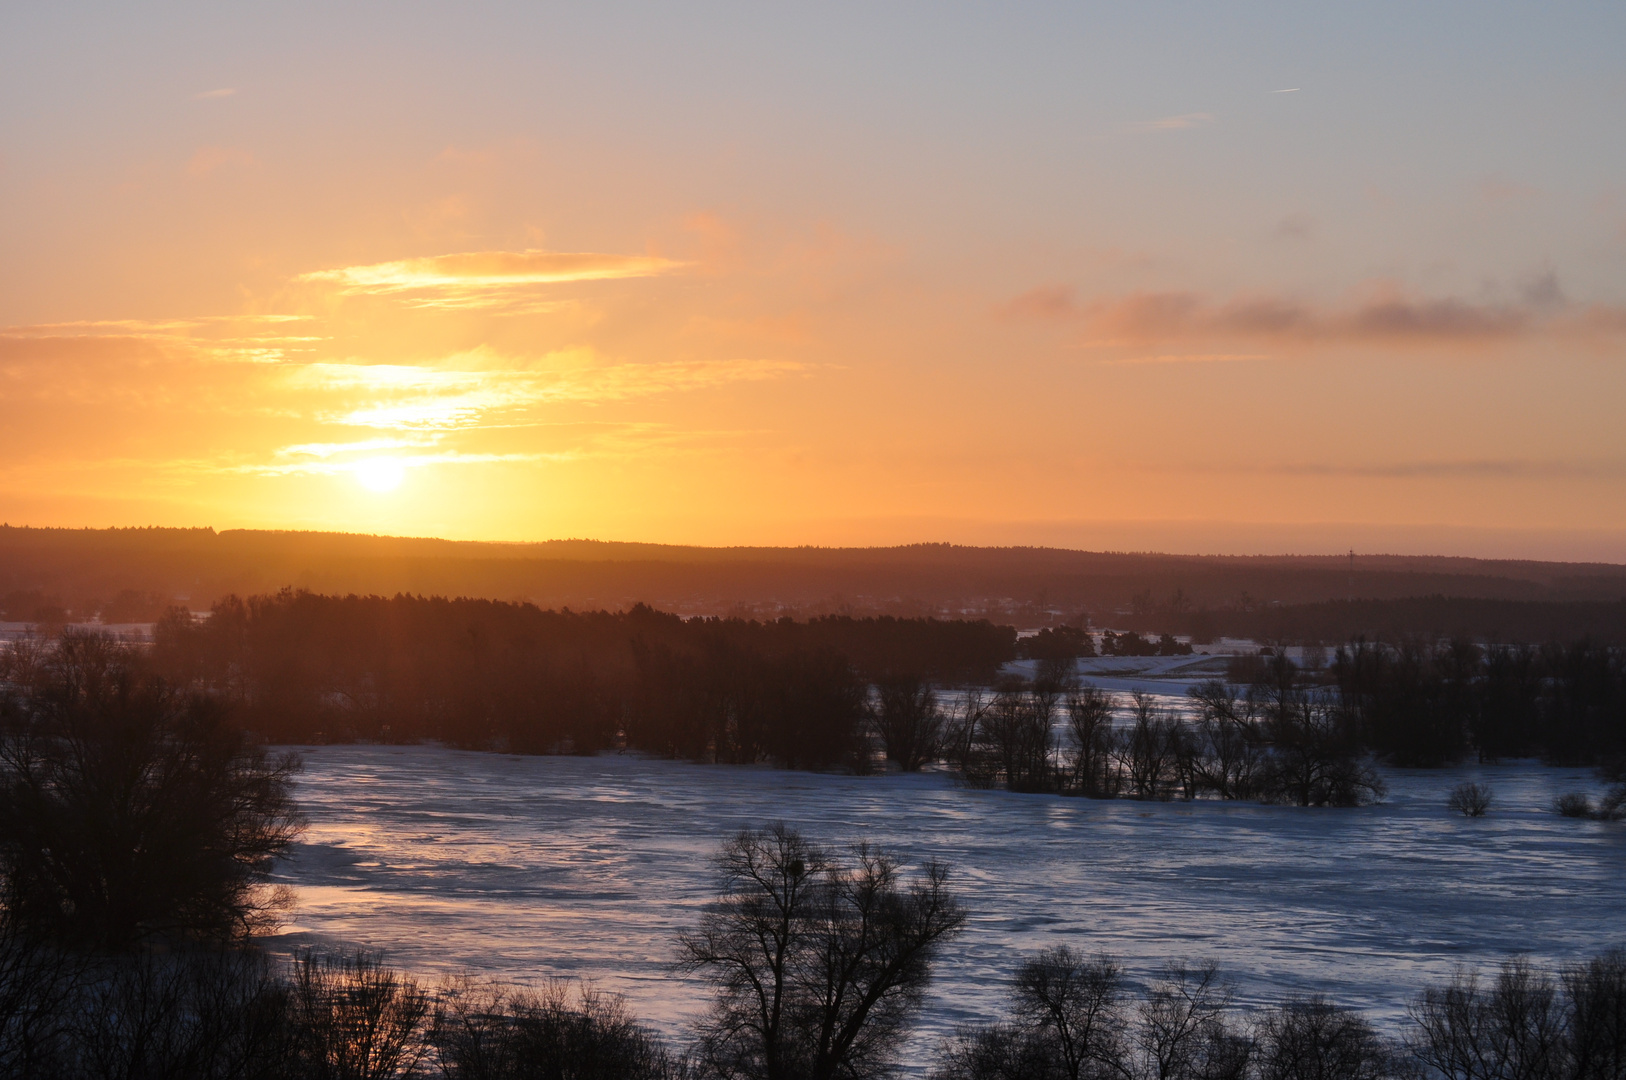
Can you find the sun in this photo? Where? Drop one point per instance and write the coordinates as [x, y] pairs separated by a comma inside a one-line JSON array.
[[380, 474]]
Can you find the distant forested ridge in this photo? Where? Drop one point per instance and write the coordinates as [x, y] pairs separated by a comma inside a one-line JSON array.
[[132, 575]]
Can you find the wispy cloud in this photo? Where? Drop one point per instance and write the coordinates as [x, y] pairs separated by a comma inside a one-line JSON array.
[[337, 459], [100, 328], [1380, 312], [325, 450], [408, 398], [470, 277], [1175, 315], [223, 92], [233, 338]]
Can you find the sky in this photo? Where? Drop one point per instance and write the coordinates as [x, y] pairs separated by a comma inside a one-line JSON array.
[[1251, 277]]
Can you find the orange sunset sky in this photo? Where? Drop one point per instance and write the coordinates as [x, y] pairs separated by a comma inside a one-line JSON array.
[[1221, 278]]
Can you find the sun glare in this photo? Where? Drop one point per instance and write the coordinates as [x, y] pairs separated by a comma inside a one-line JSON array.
[[380, 474]]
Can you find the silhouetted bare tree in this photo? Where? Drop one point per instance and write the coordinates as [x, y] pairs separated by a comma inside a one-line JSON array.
[[909, 721], [819, 963], [1089, 723], [1513, 1029], [1149, 750], [1074, 1006], [1314, 761], [1313, 1039], [211, 1015], [1183, 1030], [1017, 731], [1235, 760]]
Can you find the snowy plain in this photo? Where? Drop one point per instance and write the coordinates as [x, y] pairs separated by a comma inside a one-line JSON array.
[[523, 868]]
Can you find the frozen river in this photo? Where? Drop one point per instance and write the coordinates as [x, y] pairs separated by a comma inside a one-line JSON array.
[[526, 867]]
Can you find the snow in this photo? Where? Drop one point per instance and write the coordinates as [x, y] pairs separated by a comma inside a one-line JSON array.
[[522, 868]]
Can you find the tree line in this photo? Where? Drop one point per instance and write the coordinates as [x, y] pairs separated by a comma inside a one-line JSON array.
[[1277, 740], [848, 693], [298, 667], [1273, 730], [1422, 704]]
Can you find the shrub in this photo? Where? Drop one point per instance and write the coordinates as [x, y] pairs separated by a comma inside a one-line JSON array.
[[1573, 805], [489, 1033], [1470, 799]]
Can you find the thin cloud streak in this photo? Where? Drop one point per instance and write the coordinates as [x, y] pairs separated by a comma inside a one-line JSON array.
[[425, 399], [175, 339], [405, 461], [488, 270], [361, 446]]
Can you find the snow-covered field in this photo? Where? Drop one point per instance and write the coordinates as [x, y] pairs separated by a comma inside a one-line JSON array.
[[528, 867]]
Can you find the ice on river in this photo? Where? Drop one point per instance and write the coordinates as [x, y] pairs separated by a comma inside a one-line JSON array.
[[522, 868]]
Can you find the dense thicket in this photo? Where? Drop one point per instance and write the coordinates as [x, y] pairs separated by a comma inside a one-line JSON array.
[[1279, 732], [479, 673], [300, 667], [237, 1015], [1426, 705], [1278, 739], [129, 810]]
